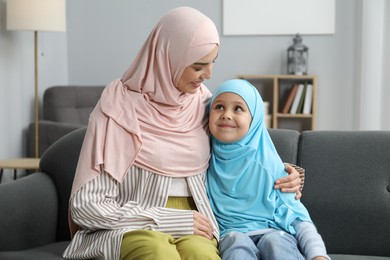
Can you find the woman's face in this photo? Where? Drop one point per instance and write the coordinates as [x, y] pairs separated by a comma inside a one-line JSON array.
[[197, 72], [230, 118]]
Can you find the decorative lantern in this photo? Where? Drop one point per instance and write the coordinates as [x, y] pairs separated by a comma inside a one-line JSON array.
[[297, 57]]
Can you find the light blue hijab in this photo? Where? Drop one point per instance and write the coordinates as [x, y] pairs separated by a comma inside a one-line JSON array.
[[241, 175]]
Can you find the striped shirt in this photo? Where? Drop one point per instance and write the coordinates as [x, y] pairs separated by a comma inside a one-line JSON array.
[[105, 209]]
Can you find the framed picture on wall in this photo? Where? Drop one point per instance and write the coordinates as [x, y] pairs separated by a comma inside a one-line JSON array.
[[278, 17]]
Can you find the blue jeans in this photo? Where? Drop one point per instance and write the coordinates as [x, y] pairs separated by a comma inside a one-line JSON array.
[[275, 244]]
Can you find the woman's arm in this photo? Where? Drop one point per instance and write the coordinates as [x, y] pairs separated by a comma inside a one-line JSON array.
[[100, 205], [293, 182]]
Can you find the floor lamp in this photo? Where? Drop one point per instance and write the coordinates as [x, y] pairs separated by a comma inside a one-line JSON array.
[[36, 15]]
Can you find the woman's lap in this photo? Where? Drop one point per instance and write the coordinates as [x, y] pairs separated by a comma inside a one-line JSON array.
[[146, 244]]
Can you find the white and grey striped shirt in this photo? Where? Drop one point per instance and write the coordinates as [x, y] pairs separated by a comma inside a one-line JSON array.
[[105, 209]]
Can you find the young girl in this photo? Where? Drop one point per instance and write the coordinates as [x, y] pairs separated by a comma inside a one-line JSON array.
[[255, 220]]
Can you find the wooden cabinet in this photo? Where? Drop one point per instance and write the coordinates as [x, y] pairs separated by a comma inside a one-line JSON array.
[[275, 90]]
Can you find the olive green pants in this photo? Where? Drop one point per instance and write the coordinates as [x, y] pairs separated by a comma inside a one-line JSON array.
[[153, 245]]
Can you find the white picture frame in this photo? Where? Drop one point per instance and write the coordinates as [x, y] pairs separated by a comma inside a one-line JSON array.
[[278, 17]]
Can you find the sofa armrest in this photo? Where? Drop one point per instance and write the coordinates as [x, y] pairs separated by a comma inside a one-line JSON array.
[[28, 212], [49, 132]]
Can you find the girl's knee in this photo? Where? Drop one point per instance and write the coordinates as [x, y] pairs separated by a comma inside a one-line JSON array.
[[235, 238], [277, 239], [237, 245], [279, 245]]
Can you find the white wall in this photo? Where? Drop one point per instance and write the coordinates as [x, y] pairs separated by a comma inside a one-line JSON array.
[[103, 36], [118, 28], [386, 69]]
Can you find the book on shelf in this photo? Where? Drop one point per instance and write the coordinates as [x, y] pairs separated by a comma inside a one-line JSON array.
[[308, 99], [302, 100], [297, 99], [290, 99]]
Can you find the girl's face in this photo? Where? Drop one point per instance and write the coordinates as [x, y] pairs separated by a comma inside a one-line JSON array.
[[230, 118], [196, 73]]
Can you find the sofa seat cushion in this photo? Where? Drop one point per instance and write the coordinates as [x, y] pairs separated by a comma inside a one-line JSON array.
[[48, 252]]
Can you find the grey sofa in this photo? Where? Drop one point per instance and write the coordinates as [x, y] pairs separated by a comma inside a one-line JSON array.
[[347, 192], [65, 108]]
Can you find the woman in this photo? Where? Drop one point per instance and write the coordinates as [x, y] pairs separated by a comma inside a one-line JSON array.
[[139, 188]]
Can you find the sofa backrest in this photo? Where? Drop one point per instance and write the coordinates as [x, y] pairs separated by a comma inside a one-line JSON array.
[[70, 104], [346, 183], [347, 189], [286, 144], [60, 162]]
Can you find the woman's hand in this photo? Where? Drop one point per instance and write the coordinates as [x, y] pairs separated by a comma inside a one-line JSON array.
[[290, 183], [202, 225]]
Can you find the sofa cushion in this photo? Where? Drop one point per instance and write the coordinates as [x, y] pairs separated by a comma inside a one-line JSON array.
[[347, 189], [70, 104], [286, 143], [51, 251]]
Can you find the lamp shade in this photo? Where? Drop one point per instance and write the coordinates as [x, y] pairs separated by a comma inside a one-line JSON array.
[[36, 15]]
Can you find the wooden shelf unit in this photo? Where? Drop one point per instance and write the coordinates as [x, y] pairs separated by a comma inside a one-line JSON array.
[[275, 89]]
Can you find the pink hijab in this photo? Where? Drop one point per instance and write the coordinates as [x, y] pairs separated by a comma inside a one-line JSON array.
[[143, 119]]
